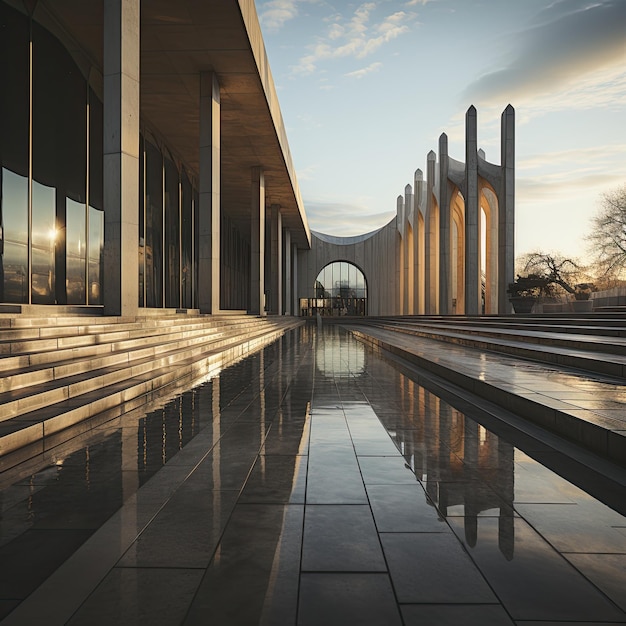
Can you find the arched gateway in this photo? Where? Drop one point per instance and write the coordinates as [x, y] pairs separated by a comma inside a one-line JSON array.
[[340, 289]]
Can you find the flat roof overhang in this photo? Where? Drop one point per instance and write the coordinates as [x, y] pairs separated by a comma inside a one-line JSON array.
[[181, 39]]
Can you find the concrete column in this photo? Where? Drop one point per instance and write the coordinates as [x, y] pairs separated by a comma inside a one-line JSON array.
[[399, 307], [257, 242], [472, 216], [430, 253], [209, 195], [445, 231], [408, 251], [121, 156], [506, 210], [288, 297], [276, 260], [418, 284], [294, 274]]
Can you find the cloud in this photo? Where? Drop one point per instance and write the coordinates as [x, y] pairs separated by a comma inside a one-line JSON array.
[[373, 67], [274, 14], [358, 37], [569, 41], [343, 219], [592, 156], [412, 3]]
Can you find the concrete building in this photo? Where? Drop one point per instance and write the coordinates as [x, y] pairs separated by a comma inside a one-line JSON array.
[[141, 145], [449, 250], [145, 165]]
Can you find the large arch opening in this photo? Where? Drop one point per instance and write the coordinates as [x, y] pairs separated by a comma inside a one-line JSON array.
[[340, 289]]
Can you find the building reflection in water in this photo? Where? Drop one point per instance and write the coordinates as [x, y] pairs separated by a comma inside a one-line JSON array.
[[253, 406], [465, 469]]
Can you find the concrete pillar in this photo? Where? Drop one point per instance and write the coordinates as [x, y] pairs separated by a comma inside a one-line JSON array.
[[445, 230], [276, 261], [257, 242], [121, 156], [399, 306], [418, 277], [408, 251], [506, 210], [294, 274], [209, 195], [472, 216], [430, 240], [288, 297]]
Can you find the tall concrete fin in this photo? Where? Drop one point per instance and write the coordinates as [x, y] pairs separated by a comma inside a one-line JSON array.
[[430, 244], [406, 242], [506, 210], [418, 237], [445, 230], [472, 216]]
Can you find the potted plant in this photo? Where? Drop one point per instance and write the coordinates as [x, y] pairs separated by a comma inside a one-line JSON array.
[[582, 295], [525, 291]]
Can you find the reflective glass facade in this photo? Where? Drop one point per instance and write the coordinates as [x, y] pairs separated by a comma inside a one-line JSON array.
[[167, 231], [52, 222], [51, 213]]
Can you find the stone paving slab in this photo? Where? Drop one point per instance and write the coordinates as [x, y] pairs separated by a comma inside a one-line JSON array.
[[442, 519]]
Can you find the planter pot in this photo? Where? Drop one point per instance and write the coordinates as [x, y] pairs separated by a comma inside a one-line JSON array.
[[523, 304], [553, 308], [582, 306]]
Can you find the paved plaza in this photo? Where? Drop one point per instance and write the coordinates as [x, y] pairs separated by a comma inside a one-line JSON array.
[[312, 483]]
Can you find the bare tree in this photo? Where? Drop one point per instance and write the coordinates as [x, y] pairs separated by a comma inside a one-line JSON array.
[[607, 240], [555, 268]]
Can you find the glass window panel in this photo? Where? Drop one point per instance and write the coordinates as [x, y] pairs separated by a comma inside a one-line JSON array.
[[326, 281], [95, 151], [172, 236], [96, 256], [75, 252], [14, 89], [14, 240], [43, 243]]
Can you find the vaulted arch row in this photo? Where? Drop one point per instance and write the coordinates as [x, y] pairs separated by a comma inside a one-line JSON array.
[[457, 262], [454, 231], [488, 247]]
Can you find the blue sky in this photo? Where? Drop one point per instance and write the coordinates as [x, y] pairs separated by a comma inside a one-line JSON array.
[[366, 88]]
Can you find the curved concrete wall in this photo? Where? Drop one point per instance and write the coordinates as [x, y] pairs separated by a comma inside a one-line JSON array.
[[375, 254]]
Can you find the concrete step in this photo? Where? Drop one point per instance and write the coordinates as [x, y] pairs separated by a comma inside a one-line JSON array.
[[585, 352], [589, 410], [610, 325], [53, 406], [544, 335], [38, 385], [35, 353]]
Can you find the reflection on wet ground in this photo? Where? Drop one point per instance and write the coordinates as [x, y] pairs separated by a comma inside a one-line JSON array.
[[311, 483]]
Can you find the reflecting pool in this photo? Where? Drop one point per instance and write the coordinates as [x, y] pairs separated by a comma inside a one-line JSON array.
[[312, 482]]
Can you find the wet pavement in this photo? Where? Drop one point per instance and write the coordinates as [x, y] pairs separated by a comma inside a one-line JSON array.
[[311, 483]]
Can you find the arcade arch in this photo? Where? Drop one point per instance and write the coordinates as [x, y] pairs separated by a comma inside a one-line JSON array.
[[340, 289]]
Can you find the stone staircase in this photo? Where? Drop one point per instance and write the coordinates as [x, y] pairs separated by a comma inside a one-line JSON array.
[[566, 374], [595, 344], [64, 371]]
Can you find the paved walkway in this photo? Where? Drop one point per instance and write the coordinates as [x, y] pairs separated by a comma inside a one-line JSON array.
[[312, 483]]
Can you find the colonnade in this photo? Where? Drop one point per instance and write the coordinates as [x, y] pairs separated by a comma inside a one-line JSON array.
[[456, 229]]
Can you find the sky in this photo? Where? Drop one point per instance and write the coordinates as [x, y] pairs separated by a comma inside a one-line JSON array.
[[367, 88]]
